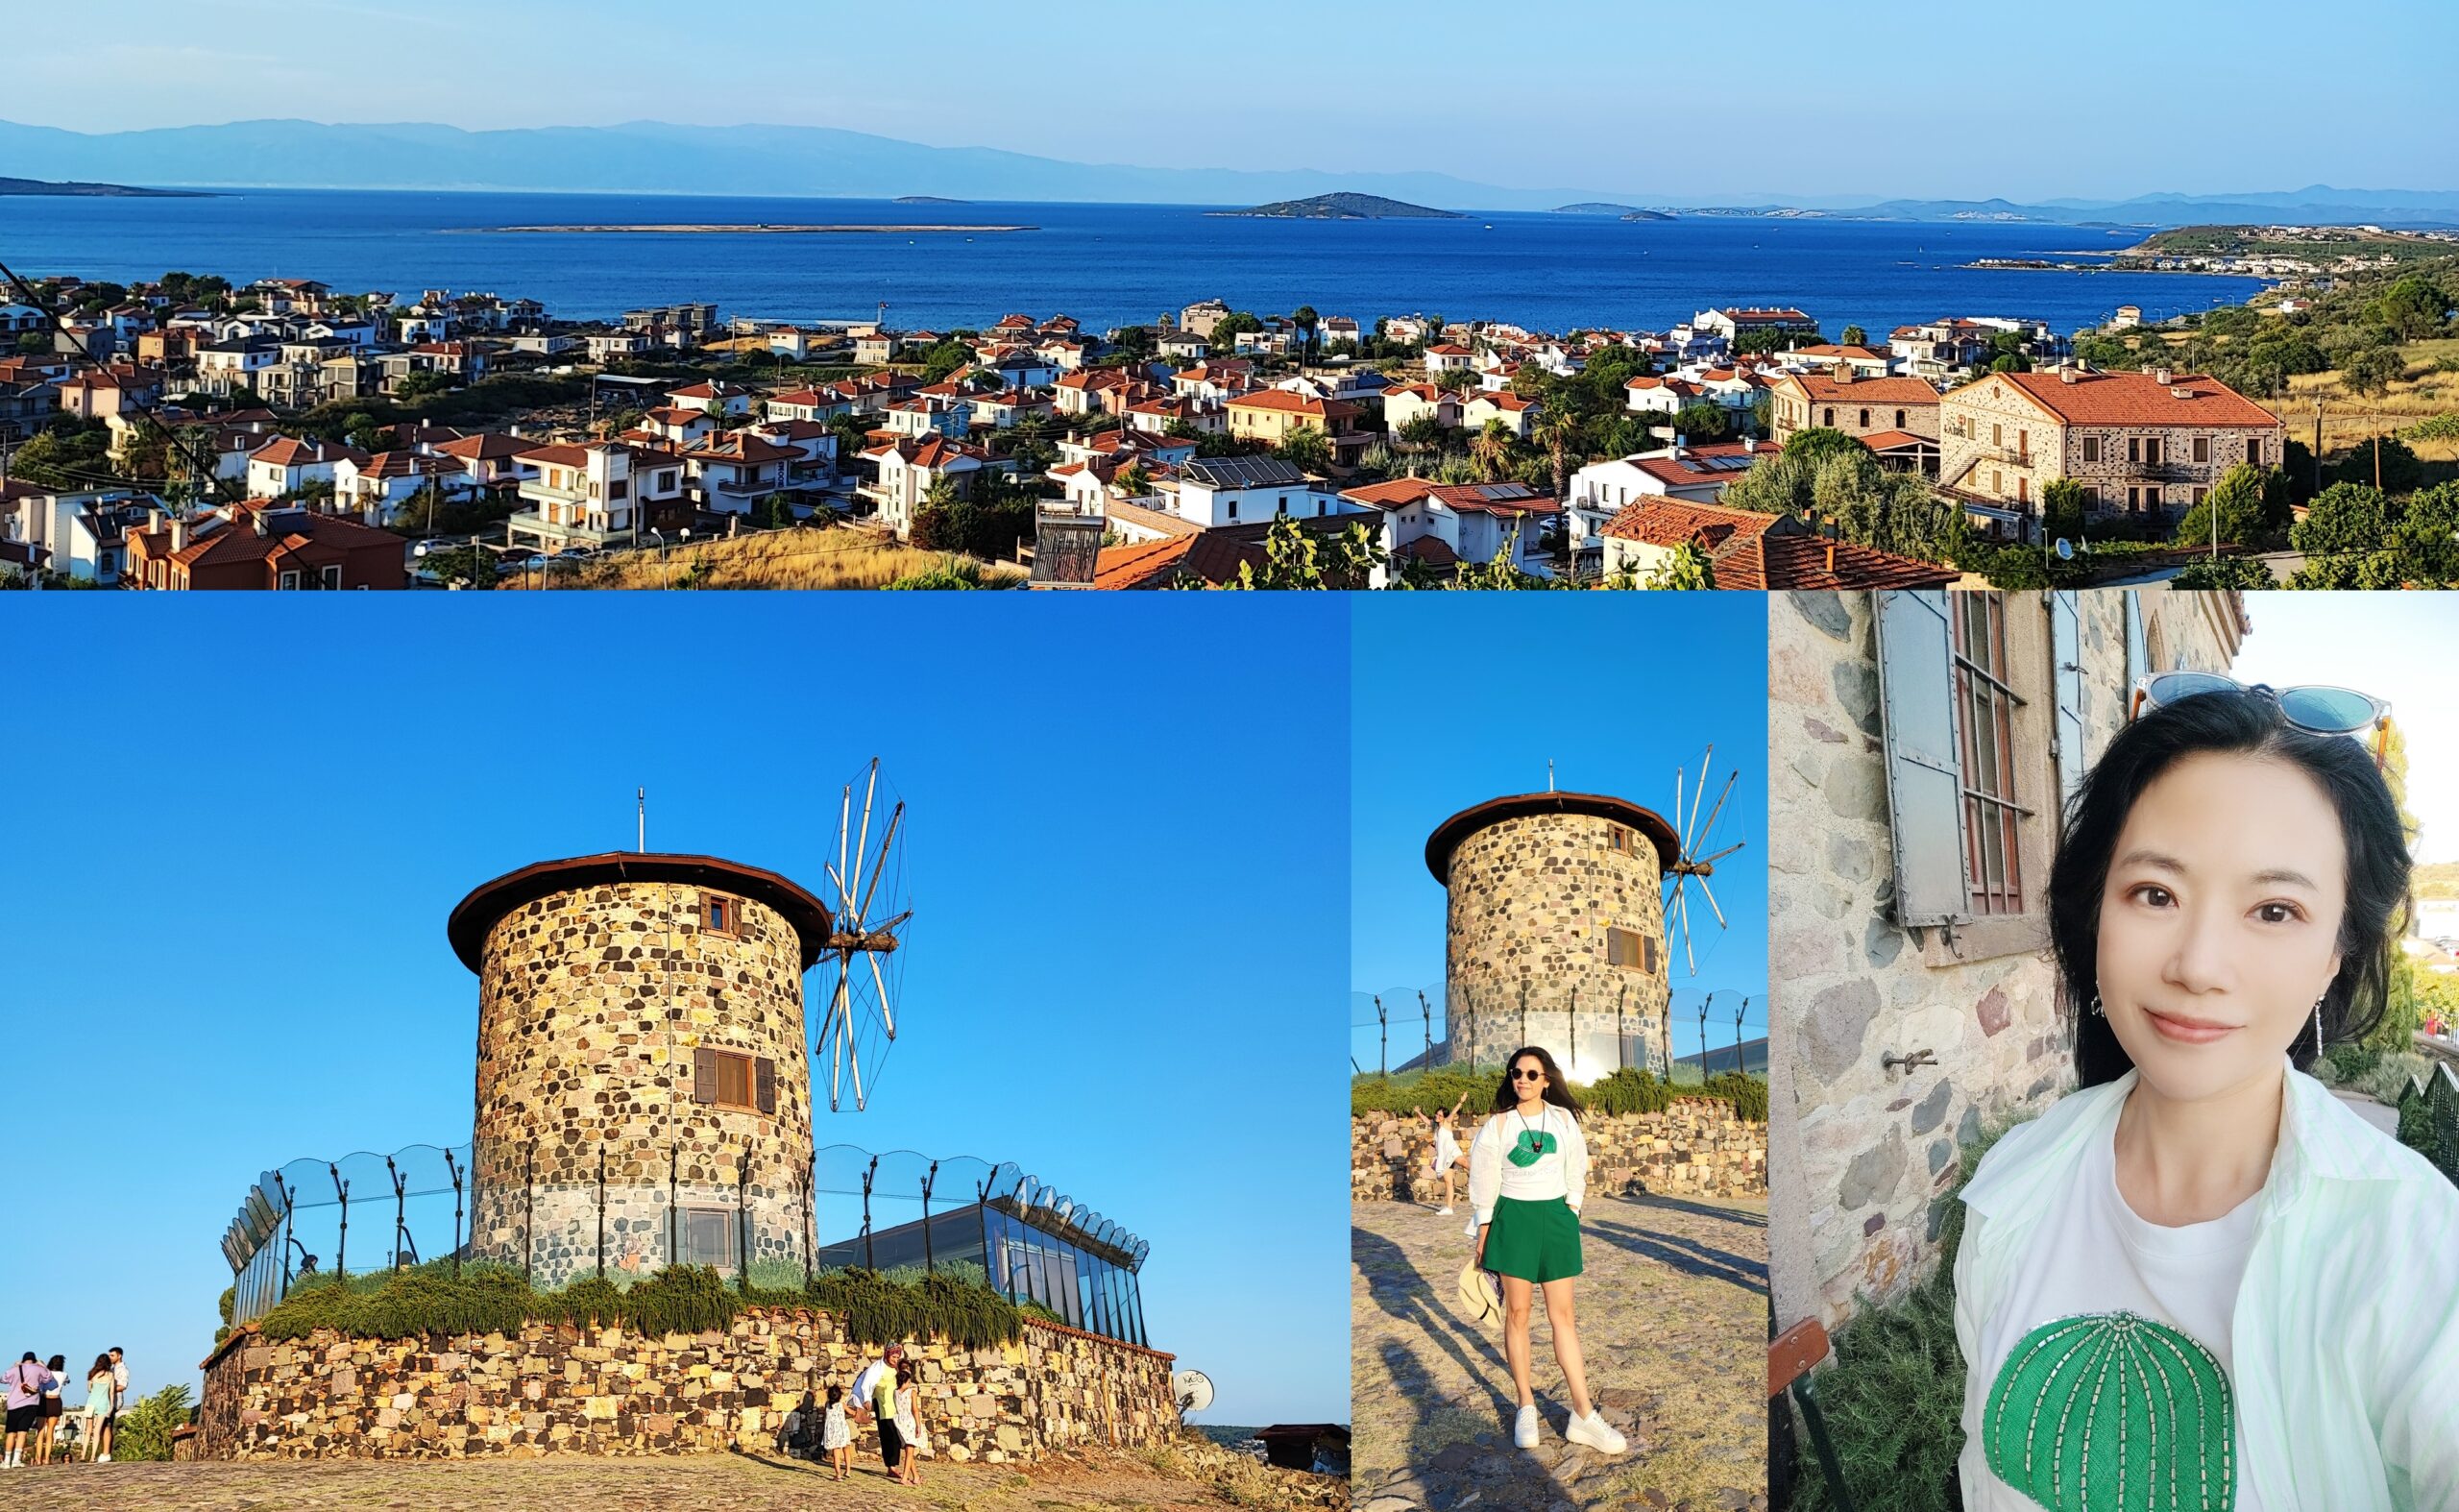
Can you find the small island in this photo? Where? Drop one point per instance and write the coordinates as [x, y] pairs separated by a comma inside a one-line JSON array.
[[1342, 208], [927, 199], [103, 191], [1627, 212]]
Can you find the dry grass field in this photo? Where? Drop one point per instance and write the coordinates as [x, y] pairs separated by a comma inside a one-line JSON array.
[[839, 558]]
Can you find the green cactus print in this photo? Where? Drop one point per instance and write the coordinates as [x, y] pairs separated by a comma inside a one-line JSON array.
[[1534, 1145], [2111, 1412]]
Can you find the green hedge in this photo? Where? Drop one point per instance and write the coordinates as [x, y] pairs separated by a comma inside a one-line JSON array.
[[681, 1298], [1625, 1092]]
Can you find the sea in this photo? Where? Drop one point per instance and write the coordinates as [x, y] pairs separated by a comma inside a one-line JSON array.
[[1105, 265]]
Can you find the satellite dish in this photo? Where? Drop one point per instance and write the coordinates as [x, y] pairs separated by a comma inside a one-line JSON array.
[[2065, 550], [1193, 1388]]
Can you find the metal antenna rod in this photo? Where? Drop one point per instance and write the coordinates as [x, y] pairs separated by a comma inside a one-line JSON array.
[[642, 795]]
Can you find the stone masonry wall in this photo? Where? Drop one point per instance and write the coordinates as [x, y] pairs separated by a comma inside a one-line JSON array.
[[1530, 901], [1695, 1148], [591, 1002], [559, 1389], [1864, 1154]]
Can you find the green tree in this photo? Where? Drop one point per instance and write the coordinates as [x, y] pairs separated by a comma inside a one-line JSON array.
[[1698, 423], [1423, 432], [2011, 362], [2396, 462], [2424, 543], [1305, 447], [2062, 510], [1309, 327], [1854, 336], [2345, 517], [1225, 335], [2242, 572], [1296, 558], [2372, 370], [2411, 309], [2250, 504], [1686, 567], [1491, 451], [1816, 443]]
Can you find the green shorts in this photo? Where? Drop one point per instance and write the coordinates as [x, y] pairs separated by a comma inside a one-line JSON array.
[[1536, 1241]]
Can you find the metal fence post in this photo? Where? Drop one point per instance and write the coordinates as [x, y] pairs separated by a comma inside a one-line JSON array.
[[673, 1201], [289, 1205], [1426, 1019], [868, 1173], [743, 1222], [1523, 1012], [811, 1222], [601, 1212], [529, 1220], [455, 1169], [930, 1265], [1574, 1034], [1383, 1040], [982, 1209], [341, 1190]]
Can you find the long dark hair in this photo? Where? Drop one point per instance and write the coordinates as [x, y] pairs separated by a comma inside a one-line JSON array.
[[2250, 723], [102, 1366], [1556, 1092]]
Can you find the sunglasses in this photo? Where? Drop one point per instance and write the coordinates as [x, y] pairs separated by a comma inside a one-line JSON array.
[[2316, 710], [1519, 1075]]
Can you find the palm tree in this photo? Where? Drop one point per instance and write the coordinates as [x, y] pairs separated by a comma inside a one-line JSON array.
[[1492, 449], [1309, 322]]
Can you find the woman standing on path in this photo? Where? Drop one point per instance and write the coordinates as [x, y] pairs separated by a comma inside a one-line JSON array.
[[908, 1425], [1528, 1176], [2200, 1275], [101, 1400], [1447, 1145], [47, 1426]]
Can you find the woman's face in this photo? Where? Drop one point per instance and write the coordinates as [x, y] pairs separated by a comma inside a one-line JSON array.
[[2220, 921], [1528, 1078]]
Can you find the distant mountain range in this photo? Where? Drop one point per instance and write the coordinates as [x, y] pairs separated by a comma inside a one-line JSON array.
[[650, 157]]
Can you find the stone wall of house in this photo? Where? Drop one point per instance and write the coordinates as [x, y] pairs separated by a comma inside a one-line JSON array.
[[591, 1002], [559, 1389], [2037, 449], [1695, 1148], [1530, 899], [1864, 1154]]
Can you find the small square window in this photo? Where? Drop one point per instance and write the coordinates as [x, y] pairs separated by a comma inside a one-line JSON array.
[[720, 914], [1630, 948]]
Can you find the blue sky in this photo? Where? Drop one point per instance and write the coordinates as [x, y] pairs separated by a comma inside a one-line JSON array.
[[2091, 98], [1458, 700], [239, 826], [2396, 646]]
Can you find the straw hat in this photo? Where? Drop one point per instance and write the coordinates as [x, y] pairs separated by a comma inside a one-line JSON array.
[[1481, 1299]]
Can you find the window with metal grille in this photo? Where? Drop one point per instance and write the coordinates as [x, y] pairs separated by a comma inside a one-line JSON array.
[[1628, 948], [706, 1236], [1985, 716]]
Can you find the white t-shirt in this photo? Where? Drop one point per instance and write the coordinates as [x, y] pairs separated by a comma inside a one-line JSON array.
[[1446, 1148], [867, 1381], [2099, 1257], [1560, 1168]]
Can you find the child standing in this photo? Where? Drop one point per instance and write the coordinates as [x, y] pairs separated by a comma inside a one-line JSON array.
[[908, 1425], [837, 1435]]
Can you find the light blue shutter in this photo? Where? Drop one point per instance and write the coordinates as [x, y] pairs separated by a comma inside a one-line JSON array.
[[1924, 780], [2066, 658], [2137, 659]]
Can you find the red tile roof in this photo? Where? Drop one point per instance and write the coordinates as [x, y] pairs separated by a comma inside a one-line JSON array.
[[2134, 398], [1771, 561], [1672, 522], [1886, 393], [1147, 565]]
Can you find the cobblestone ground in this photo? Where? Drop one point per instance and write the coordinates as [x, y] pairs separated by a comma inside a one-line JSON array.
[[696, 1483], [1673, 1317]]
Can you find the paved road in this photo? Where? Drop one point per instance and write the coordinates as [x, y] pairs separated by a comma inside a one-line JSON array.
[[693, 1483], [1673, 1316], [2386, 1120]]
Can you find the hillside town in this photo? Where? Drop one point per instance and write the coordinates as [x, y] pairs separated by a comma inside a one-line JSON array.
[[191, 432]]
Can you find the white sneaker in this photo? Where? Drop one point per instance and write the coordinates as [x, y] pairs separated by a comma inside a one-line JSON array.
[[1597, 1433], [1525, 1429], [102, 1459], [1443, 1212]]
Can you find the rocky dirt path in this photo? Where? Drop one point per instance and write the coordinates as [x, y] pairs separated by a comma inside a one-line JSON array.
[[1673, 1317], [695, 1483]]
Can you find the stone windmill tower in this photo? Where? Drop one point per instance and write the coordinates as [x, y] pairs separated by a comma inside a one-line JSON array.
[[1556, 930], [641, 1059]]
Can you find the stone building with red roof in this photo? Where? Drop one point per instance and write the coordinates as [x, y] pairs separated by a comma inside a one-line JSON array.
[[2142, 443]]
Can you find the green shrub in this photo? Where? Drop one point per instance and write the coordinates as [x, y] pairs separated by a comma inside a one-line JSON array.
[[230, 1299], [1748, 1093], [2389, 1077], [1629, 1090], [2416, 1127], [954, 1304], [1429, 1090], [2343, 1064], [144, 1430]]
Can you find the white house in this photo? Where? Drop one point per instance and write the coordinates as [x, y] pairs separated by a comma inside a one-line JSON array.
[[286, 465], [1211, 492], [383, 484], [1443, 525], [909, 466]]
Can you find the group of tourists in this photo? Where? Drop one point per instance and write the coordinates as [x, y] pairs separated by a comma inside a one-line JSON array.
[[886, 1392], [34, 1395]]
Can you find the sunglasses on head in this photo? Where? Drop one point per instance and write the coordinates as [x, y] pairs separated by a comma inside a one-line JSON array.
[[2315, 709], [1533, 1074]]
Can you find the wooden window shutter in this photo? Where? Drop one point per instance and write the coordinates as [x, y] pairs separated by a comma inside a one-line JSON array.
[[704, 1076], [1924, 782], [766, 1078], [2066, 658]]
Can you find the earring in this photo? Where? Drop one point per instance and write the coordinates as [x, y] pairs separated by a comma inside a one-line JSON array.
[[2318, 1021], [2096, 1007]]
